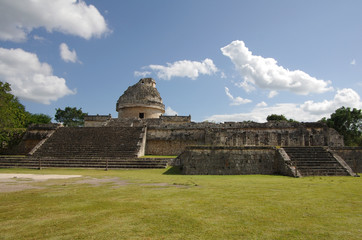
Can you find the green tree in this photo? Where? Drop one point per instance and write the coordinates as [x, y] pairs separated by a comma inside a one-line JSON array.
[[12, 112], [70, 117], [14, 118], [38, 119], [276, 117], [348, 123]]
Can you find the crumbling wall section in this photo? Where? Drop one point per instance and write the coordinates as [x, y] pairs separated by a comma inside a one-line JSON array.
[[96, 120], [351, 155], [172, 140], [175, 119], [222, 160], [272, 134]]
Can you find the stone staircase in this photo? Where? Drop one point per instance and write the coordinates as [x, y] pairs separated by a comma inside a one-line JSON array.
[[92, 143], [17, 162], [88, 147], [315, 161]]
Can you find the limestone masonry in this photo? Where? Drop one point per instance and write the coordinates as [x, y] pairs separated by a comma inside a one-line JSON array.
[[141, 100], [287, 148]]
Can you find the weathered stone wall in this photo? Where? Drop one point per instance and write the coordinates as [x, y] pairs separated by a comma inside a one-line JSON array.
[[171, 139], [162, 120], [229, 160], [352, 156], [143, 98], [272, 134], [96, 120], [134, 111], [175, 119]]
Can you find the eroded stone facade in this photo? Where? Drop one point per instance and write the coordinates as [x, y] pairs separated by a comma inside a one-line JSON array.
[[229, 160], [141, 100], [168, 139]]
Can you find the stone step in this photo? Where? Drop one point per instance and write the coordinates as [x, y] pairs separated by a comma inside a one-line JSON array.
[[317, 172], [114, 163], [91, 156], [83, 161], [319, 167], [303, 154], [81, 165], [100, 162], [312, 159], [92, 143]]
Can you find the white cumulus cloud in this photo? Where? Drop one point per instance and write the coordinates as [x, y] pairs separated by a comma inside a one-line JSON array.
[[18, 18], [262, 104], [38, 38], [309, 111], [170, 112], [235, 101], [272, 94], [29, 78], [67, 55], [345, 97], [267, 74], [185, 68], [258, 114], [353, 62], [141, 74]]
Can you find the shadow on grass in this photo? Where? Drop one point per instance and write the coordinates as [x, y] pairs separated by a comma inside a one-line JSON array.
[[173, 171]]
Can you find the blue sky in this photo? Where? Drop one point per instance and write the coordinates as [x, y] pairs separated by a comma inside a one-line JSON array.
[[216, 60]]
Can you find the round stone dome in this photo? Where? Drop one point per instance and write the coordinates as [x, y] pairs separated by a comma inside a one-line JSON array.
[[141, 100]]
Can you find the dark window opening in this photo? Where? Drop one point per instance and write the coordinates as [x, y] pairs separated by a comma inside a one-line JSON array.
[[142, 115]]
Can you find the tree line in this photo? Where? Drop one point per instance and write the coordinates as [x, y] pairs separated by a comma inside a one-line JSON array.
[[14, 119]]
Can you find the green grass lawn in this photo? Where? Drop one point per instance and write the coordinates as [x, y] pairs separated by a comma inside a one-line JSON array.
[[149, 204]]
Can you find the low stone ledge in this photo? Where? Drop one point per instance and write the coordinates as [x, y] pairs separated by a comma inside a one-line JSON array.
[[206, 147], [227, 160]]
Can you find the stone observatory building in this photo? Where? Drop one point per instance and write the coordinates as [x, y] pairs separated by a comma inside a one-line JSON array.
[[142, 132], [141, 100]]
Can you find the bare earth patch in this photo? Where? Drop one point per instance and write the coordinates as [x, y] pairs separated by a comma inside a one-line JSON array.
[[14, 182], [19, 182], [37, 177], [99, 181]]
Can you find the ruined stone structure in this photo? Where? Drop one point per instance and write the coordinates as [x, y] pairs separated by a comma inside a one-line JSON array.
[[287, 148], [96, 120], [141, 100], [167, 139]]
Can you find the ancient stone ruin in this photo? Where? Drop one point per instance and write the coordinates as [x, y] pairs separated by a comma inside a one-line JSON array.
[[286, 148], [141, 100]]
